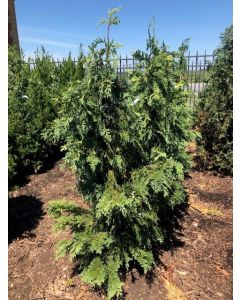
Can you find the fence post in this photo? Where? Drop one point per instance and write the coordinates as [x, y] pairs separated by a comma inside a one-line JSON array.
[[200, 71], [126, 62], [191, 83], [195, 75], [120, 65], [188, 69], [204, 65]]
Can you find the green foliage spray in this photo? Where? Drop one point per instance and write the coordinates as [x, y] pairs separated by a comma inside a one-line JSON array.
[[127, 145]]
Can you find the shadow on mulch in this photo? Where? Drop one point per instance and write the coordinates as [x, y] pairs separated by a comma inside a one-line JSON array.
[[229, 258], [200, 165], [24, 214], [21, 179], [172, 227], [52, 159], [223, 198]]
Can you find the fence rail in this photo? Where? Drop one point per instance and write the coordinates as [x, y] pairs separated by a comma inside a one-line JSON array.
[[196, 70]]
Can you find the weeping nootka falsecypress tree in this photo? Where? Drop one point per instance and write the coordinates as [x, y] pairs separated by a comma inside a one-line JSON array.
[[127, 145]]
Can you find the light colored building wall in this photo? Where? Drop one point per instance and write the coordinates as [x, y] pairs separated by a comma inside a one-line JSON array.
[[12, 25]]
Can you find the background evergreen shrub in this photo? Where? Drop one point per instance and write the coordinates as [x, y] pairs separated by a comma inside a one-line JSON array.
[[34, 94], [215, 110], [30, 108]]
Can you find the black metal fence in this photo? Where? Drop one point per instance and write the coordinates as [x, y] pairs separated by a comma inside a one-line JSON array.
[[196, 70], [197, 73]]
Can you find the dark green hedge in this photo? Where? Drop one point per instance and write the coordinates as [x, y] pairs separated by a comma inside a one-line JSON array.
[[34, 95], [215, 110]]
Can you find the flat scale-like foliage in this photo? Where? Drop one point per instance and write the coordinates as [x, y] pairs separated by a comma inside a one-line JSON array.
[[30, 109], [163, 115], [34, 91], [215, 110], [129, 158]]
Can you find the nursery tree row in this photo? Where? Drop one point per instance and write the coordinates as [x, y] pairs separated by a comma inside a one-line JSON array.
[[125, 139], [34, 97]]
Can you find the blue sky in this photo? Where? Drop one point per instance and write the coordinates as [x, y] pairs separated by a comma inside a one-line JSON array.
[[60, 26]]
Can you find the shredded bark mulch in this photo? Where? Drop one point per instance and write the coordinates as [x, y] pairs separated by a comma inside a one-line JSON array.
[[197, 264]]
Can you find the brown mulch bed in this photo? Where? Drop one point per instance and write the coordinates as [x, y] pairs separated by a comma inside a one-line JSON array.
[[197, 266]]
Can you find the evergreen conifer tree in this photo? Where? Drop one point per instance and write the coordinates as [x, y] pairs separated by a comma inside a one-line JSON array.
[[129, 158], [215, 110]]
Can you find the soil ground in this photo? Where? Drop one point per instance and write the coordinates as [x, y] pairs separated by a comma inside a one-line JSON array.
[[197, 266]]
